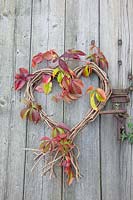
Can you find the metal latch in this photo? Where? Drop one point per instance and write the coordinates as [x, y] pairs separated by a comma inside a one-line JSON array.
[[120, 99]]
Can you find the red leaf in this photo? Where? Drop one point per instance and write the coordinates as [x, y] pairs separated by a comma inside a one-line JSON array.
[[35, 116], [63, 126], [37, 59], [62, 136], [46, 78], [45, 138], [19, 84], [49, 55], [98, 57], [65, 83], [63, 65], [76, 86], [22, 78], [77, 52], [72, 53], [23, 71]]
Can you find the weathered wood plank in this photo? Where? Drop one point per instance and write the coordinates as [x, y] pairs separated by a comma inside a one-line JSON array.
[[110, 147], [126, 55], [26, 29], [116, 160], [81, 28], [47, 33], [7, 21], [14, 43]]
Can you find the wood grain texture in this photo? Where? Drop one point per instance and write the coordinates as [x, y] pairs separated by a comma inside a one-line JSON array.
[[14, 45], [47, 33], [116, 158], [110, 147], [81, 28], [29, 27], [126, 55], [7, 22]]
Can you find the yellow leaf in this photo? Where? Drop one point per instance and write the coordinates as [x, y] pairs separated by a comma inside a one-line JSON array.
[[60, 77], [55, 71], [92, 101], [47, 87], [86, 72]]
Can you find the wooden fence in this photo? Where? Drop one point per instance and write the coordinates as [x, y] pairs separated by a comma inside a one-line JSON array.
[[31, 26]]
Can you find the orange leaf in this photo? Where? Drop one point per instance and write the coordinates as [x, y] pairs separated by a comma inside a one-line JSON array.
[[90, 88], [102, 94], [70, 177]]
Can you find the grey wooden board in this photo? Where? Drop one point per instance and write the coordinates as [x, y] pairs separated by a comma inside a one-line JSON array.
[[28, 27], [79, 35], [116, 158], [47, 33]]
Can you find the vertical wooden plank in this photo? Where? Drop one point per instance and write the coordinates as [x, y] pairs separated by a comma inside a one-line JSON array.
[[126, 55], [81, 28], [47, 33], [14, 43], [6, 46], [116, 162], [110, 147]]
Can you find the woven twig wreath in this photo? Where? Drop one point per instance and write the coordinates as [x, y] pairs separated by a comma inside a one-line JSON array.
[[60, 148]]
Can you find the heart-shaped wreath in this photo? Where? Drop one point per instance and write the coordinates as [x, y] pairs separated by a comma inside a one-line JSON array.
[[60, 147]]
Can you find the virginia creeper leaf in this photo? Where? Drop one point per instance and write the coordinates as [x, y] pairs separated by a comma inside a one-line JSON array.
[[24, 113], [22, 78], [86, 71], [55, 71], [63, 65], [46, 78], [90, 88], [60, 77], [92, 100], [35, 116], [63, 126], [101, 94], [47, 87], [37, 59]]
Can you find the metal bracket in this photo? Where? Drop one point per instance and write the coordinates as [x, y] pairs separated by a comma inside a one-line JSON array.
[[120, 99]]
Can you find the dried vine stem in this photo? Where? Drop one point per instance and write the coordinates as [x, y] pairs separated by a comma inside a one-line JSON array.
[[89, 117], [91, 114]]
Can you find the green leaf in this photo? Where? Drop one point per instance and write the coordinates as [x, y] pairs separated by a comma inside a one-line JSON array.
[[54, 132], [60, 77], [24, 113], [130, 138], [123, 136], [60, 130], [130, 125], [99, 98], [55, 71], [102, 94], [92, 100], [47, 87]]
